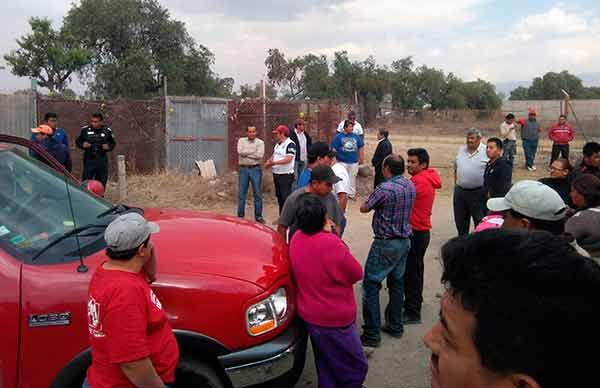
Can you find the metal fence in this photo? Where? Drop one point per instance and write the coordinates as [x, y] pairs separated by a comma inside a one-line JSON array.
[[196, 129], [138, 127], [17, 114]]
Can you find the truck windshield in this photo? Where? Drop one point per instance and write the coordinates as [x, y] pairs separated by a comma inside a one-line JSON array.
[[35, 210]]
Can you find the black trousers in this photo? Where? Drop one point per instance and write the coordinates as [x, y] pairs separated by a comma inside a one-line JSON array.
[[95, 169], [468, 204], [414, 275], [283, 187], [559, 151], [379, 178]]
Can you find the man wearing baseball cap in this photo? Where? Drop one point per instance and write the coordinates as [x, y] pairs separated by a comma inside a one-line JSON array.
[[319, 153], [321, 183], [531, 205], [530, 134], [283, 162], [131, 339], [43, 135]]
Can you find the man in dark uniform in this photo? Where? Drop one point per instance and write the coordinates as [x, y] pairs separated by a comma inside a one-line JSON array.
[[384, 148], [498, 171], [96, 139]]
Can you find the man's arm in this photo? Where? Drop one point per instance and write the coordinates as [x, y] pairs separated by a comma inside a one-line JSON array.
[[260, 151], [141, 373], [282, 231], [285, 160], [240, 148], [343, 200], [364, 208], [361, 155], [110, 141], [79, 142]]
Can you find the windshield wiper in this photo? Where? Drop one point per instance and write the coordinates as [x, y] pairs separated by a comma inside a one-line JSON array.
[[118, 208], [68, 234]]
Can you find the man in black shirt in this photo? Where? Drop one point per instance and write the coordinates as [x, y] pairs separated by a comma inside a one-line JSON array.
[[96, 139], [384, 148], [590, 164], [498, 172]]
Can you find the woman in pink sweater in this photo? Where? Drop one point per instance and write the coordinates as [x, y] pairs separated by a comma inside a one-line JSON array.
[[325, 272]]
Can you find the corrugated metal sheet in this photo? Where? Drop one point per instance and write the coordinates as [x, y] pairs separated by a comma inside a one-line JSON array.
[[196, 130], [17, 114]]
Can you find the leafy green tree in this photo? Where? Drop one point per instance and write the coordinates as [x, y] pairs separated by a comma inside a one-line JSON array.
[[135, 44], [48, 55], [520, 93], [550, 86], [249, 91], [481, 95]]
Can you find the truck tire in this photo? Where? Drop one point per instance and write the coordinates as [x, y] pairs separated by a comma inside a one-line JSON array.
[[196, 374]]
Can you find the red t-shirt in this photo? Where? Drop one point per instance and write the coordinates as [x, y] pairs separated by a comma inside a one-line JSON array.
[[127, 323]]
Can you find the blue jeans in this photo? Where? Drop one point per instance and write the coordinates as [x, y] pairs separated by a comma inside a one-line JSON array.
[[387, 259], [299, 167], [86, 385], [250, 175], [510, 150], [530, 149]]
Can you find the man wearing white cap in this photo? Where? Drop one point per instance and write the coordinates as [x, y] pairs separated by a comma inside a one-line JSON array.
[[131, 339]]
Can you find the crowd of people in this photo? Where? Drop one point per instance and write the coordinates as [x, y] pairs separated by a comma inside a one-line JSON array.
[[520, 282]]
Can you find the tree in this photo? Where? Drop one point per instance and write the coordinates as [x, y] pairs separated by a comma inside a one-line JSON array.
[[286, 73], [481, 95], [49, 56], [550, 86], [249, 91], [135, 44]]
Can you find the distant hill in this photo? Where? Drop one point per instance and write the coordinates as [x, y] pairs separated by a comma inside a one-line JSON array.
[[589, 79]]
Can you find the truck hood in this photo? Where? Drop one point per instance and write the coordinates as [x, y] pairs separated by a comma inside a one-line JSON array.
[[205, 243]]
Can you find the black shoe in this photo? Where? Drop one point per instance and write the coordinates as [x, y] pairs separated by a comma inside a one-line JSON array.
[[388, 330], [261, 220], [369, 342], [411, 320]]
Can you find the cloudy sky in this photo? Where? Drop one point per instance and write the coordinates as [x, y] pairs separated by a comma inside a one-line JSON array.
[[505, 40]]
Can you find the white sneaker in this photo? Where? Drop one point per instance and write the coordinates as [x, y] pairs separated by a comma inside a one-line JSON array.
[[532, 168]]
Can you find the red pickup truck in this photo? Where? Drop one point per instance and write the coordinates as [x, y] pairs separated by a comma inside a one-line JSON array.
[[224, 282]]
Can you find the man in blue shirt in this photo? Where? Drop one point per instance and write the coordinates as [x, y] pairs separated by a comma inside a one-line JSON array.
[[51, 119], [350, 152], [318, 154]]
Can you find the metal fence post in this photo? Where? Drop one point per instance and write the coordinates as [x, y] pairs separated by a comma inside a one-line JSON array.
[[122, 178]]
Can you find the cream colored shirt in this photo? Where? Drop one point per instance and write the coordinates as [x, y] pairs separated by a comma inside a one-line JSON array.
[[508, 131], [250, 153]]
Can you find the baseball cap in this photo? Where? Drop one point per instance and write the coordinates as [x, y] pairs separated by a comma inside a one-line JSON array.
[[324, 174], [319, 149], [532, 111], [282, 129], [532, 199], [128, 231], [45, 129]]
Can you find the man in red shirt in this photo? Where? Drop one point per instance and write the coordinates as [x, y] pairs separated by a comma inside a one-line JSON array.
[[132, 342], [561, 134], [426, 181]]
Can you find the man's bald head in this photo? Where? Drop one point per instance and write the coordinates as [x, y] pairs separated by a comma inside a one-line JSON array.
[[393, 165]]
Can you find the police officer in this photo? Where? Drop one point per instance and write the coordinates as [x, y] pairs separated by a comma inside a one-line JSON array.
[[96, 139]]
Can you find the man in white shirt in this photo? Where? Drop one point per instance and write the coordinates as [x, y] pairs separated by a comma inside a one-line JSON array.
[[508, 134], [358, 129], [282, 162], [342, 188], [250, 155], [469, 192]]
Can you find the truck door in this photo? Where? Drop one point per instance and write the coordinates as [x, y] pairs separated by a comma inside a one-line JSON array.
[[10, 275]]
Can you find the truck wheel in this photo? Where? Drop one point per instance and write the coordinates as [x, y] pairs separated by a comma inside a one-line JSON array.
[[196, 374]]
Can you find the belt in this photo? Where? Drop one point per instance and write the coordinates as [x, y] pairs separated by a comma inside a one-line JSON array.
[[390, 238], [473, 189], [249, 165]]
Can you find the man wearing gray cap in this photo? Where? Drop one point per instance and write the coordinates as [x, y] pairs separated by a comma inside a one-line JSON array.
[[131, 339]]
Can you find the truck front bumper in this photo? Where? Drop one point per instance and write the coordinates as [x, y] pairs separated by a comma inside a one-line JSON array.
[[268, 361]]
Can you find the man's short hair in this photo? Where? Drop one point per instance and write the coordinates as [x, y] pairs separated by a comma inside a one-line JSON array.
[[311, 213], [352, 113], [250, 126], [384, 132], [347, 123], [497, 141], [421, 154], [474, 131], [127, 254], [98, 115], [298, 122], [510, 116], [590, 148], [395, 163], [50, 115], [555, 227], [562, 117], [588, 186], [535, 304]]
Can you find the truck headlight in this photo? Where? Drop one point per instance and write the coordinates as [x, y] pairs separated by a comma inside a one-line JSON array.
[[267, 314]]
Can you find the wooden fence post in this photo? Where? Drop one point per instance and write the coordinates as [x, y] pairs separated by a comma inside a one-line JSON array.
[[122, 178]]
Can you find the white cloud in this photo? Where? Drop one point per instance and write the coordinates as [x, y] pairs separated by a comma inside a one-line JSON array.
[[555, 21]]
